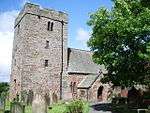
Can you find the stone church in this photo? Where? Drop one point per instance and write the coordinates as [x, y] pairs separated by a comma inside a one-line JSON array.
[[42, 62]]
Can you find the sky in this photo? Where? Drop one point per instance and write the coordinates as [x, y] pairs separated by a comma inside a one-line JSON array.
[[79, 31]]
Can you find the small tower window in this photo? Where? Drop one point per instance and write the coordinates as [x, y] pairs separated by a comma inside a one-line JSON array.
[[18, 29], [46, 63], [15, 80], [47, 44], [50, 26], [39, 17], [14, 61]]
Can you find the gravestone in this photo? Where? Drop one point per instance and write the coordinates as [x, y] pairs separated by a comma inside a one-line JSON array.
[[2, 104], [47, 98], [30, 97], [55, 98], [17, 107], [24, 96], [39, 104]]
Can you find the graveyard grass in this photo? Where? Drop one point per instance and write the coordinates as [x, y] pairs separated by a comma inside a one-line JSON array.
[[60, 107]]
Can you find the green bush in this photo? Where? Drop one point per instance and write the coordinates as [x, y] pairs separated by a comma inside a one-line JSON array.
[[75, 106], [58, 108]]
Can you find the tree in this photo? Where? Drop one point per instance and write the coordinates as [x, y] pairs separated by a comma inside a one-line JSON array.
[[4, 87], [120, 40]]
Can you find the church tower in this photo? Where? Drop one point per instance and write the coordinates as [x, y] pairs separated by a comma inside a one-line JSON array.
[[39, 55]]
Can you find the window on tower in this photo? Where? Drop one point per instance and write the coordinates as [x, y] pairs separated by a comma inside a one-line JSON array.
[[46, 63], [50, 26], [15, 80], [18, 29], [47, 44], [14, 61]]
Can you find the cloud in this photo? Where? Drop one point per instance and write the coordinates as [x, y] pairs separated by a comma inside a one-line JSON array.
[[82, 38], [82, 35], [6, 42]]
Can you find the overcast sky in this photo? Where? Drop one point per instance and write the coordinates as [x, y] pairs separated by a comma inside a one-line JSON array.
[[78, 11]]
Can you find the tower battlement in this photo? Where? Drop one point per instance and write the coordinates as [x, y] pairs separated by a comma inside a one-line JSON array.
[[33, 9]]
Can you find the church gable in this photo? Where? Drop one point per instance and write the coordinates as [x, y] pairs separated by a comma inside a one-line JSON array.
[[80, 61]]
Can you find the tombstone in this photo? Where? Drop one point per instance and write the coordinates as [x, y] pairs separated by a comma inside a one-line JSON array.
[[55, 98], [30, 97], [17, 107], [47, 98], [2, 104], [24, 96], [39, 104]]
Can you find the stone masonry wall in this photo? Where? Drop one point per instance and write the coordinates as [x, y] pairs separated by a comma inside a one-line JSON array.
[[29, 70], [71, 78]]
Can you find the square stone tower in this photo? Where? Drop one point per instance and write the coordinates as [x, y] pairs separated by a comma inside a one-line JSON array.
[[39, 56]]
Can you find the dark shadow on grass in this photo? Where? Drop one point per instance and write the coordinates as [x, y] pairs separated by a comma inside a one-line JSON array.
[[102, 107]]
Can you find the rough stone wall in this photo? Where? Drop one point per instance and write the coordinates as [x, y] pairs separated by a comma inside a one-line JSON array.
[[93, 91], [85, 94], [77, 78], [29, 70], [90, 94]]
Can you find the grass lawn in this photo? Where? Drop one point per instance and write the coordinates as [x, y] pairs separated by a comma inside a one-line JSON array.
[[1, 111], [64, 107], [28, 109], [60, 107]]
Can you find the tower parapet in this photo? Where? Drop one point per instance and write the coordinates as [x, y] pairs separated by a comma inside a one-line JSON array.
[[33, 9]]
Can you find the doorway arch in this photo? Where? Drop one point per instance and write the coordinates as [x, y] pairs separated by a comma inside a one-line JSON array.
[[99, 93]]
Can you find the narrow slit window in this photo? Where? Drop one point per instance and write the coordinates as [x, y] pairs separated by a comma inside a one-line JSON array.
[[15, 80], [18, 29], [46, 63], [39, 17], [14, 61], [47, 44], [50, 26]]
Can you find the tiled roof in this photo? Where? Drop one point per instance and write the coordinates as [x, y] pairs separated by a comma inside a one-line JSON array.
[[88, 81], [80, 61]]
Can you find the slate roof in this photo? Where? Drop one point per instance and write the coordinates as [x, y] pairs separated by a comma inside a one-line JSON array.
[[88, 81], [80, 61]]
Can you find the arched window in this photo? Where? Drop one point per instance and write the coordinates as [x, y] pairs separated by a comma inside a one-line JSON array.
[[99, 93], [73, 87]]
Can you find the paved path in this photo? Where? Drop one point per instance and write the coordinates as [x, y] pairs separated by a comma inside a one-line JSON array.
[[101, 108]]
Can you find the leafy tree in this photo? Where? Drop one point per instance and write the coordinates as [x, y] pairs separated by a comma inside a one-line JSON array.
[[4, 87], [120, 40]]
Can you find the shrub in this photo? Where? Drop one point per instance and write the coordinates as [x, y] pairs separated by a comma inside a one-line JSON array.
[[75, 106]]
